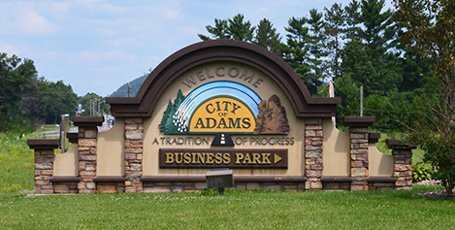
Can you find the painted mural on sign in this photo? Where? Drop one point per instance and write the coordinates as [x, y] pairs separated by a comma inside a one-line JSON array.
[[224, 107]]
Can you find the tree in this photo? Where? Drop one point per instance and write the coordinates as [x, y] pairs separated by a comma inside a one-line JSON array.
[[17, 80], [235, 29], [334, 28], [296, 52], [317, 51], [267, 37], [348, 90], [90, 103], [367, 55], [353, 20], [430, 28]]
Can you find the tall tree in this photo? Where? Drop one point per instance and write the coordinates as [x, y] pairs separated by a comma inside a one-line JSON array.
[[367, 56], [296, 52], [317, 51], [17, 80], [236, 29], [267, 37], [430, 28], [334, 29], [353, 20]]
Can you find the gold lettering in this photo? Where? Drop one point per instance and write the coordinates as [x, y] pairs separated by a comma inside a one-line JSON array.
[[256, 158], [178, 158], [226, 158], [187, 158], [239, 157], [218, 158], [169, 158], [247, 159], [209, 158], [266, 159], [200, 158]]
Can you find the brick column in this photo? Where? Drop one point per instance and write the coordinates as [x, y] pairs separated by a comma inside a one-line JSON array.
[[86, 146], [358, 134], [313, 153], [44, 164], [134, 135], [402, 163]]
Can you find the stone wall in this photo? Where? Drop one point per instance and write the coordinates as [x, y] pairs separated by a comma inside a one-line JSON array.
[[134, 135], [87, 159], [44, 163], [359, 158], [313, 153], [44, 160], [402, 163]]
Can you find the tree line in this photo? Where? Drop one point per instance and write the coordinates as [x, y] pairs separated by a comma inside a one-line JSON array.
[[354, 45], [27, 100]]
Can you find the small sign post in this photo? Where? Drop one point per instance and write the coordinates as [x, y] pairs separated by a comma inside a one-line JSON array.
[[220, 179]]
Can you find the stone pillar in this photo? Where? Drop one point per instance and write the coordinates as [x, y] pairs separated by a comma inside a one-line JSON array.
[[402, 163], [358, 134], [86, 146], [44, 164], [134, 139], [313, 153]]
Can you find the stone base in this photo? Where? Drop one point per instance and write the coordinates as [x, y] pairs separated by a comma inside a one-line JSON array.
[[274, 186], [381, 185], [65, 187], [336, 185], [197, 186], [110, 187], [173, 186]]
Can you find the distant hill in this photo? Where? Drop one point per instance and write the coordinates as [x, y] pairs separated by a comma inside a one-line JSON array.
[[135, 86]]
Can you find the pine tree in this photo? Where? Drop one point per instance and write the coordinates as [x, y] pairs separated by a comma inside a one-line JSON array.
[[240, 30], [368, 56], [267, 37], [353, 20], [317, 51], [334, 29], [234, 29], [297, 49]]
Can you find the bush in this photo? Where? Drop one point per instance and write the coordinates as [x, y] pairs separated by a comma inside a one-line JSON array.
[[422, 171]]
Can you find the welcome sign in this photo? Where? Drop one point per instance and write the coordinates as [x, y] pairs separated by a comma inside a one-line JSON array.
[[219, 104]]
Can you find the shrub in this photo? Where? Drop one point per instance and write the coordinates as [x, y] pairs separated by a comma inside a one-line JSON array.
[[422, 171]]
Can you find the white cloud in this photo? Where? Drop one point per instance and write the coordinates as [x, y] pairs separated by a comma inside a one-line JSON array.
[[93, 56], [9, 49], [97, 6], [33, 23]]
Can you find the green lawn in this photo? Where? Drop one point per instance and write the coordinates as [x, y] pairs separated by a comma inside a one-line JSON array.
[[16, 163], [237, 210]]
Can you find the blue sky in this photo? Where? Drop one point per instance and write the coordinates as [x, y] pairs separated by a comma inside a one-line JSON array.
[[96, 46]]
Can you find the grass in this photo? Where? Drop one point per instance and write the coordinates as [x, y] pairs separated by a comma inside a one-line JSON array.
[[16, 163], [236, 210]]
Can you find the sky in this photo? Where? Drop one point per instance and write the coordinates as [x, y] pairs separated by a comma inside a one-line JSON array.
[[97, 46]]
